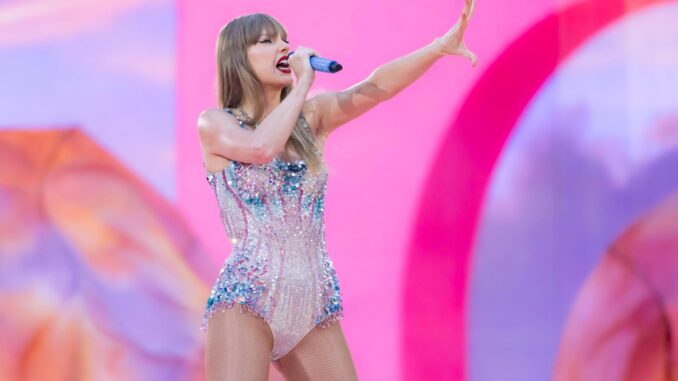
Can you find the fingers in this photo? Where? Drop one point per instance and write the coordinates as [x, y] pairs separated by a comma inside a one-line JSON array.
[[304, 50], [469, 6], [474, 59], [471, 56], [301, 54], [300, 63]]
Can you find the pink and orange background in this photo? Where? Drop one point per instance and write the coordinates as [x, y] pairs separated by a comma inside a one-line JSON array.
[[477, 220]]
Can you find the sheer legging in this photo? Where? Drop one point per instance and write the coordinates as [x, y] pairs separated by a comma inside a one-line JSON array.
[[239, 345]]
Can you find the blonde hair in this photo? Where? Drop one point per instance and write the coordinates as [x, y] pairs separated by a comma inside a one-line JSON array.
[[236, 79]]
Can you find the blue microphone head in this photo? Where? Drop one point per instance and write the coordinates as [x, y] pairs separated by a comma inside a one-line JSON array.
[[335, 67]]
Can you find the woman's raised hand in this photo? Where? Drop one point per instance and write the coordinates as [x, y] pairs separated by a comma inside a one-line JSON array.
[[453, 41], [300, 63]]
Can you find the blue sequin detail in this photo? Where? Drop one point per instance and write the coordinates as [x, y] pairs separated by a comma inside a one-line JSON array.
[[240, 280], [279, 268], [333, 306]]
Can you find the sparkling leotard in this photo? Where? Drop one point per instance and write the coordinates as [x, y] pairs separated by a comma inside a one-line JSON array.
[[278, 268]]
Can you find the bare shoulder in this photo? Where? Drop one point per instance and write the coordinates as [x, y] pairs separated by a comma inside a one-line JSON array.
[[223, 140], [212, 120]]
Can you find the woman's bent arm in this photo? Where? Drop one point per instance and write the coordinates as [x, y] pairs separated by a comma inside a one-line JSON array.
[[221, 135]]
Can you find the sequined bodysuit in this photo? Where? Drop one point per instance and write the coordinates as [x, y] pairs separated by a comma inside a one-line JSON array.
[[278, 268]]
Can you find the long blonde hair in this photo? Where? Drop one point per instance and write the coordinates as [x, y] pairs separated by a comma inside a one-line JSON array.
[[236, 79]]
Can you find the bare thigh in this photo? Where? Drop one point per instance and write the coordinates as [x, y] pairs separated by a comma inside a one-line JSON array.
[[322, 355], [238, 347]]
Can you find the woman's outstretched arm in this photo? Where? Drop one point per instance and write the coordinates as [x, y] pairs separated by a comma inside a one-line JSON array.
[[337, 108]]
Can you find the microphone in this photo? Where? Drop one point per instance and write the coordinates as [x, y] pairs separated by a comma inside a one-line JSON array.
[[323, 64]]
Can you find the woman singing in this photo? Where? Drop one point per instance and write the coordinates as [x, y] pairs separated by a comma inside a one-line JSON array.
[[262, 153]]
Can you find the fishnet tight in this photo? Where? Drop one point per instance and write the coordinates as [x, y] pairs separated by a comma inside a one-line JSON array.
[[239, 345]]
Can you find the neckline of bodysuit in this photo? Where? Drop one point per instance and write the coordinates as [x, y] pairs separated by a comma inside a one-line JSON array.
[[242, 121], [242, 125]]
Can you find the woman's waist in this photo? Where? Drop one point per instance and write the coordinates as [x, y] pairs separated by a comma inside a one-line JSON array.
[[267, 257], [264, 242], [257, 231]]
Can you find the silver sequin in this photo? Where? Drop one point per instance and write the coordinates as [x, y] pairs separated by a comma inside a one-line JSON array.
[[279, 268]]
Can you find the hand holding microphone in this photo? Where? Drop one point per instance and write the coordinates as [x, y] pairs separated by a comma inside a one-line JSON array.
[[323, 64], [300, 63]]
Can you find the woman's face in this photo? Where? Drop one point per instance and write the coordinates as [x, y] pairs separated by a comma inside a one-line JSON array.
[[264, 56]]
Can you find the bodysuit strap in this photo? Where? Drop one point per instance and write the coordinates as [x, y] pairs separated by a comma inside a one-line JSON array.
[[242, 123]]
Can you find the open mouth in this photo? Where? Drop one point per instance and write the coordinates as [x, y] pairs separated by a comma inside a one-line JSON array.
[[283, 65]]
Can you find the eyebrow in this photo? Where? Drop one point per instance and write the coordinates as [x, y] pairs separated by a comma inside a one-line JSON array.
[[266, 34]]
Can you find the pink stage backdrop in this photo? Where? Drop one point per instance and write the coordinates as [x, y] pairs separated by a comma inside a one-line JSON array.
[[464, 216]]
